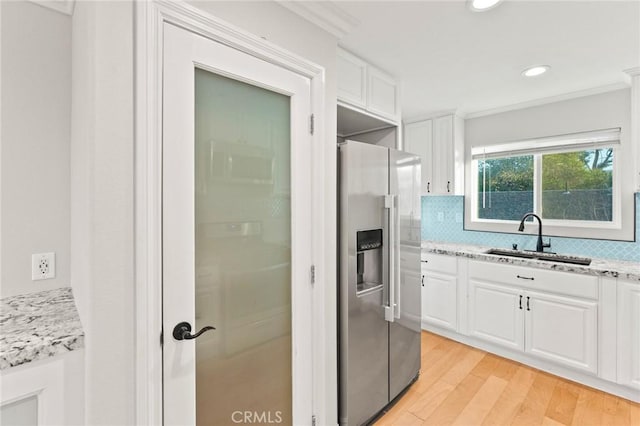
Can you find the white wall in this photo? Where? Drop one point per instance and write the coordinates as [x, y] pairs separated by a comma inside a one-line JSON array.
[[102, 205], [35, 135], [601, 111], [102, 188]]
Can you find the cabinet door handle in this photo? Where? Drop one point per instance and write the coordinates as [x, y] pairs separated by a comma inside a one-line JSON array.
[[528, 304], [525, 278], [422, 281], [448, 186], [520, 301], [428, 186]]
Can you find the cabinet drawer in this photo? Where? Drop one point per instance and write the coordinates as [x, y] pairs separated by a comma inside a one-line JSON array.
[[439, 263], [579, 285]]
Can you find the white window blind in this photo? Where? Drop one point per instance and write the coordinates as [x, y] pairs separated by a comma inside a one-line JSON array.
[[553, 144]]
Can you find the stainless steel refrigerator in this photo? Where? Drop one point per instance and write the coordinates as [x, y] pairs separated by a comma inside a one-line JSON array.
[[378, 278]]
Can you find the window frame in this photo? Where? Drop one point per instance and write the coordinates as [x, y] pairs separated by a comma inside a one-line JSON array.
[[615, 223], [551, 227]]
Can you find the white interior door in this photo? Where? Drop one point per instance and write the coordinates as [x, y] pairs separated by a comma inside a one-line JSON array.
[[236, 236]]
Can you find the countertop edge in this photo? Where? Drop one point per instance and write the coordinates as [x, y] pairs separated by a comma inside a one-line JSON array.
[[47, 351], [37, 326], [599, 267]]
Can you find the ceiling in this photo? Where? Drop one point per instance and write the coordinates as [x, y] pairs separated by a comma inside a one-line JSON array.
[[449, 58]]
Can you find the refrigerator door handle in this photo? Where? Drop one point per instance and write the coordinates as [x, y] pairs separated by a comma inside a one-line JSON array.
[[389, 203], [398, 260]]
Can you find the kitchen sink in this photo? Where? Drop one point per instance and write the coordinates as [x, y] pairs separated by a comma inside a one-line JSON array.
[[512, 253], [550, 257]]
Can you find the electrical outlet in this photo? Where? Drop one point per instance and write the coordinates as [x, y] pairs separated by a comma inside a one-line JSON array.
[[43, 266], [440, 216]]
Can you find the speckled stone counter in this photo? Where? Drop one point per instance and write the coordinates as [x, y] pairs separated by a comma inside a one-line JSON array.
[[601, 267], [38, 325]]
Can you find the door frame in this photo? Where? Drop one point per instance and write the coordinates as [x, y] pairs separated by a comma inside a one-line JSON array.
[[150, 16]]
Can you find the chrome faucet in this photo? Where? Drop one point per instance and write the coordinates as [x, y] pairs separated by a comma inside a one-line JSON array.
[[540, 246]]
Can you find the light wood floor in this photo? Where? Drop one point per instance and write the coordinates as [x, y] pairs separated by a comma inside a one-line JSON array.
[[461, 385]]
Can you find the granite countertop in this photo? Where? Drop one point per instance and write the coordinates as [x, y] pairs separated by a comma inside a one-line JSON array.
[[601, 267], [37, 326]]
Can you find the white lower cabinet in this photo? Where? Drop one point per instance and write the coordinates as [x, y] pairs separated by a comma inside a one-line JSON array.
[[440, 292], [579, 326], [629, 333], [506, 309], [439, 299], [495, 315], [48, 391], [561, 329]]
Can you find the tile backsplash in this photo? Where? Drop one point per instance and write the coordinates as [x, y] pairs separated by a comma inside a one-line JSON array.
[[443, 217]]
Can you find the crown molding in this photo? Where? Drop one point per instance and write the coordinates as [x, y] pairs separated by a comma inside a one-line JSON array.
[[549, 100], [431, 116], [633, 72], [324, 14], [62, 6]]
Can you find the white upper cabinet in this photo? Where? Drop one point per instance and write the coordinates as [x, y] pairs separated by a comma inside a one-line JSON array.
[[440, 144], [443, 155], [366, 87], [382, 94], [418, 139], [352, 79]]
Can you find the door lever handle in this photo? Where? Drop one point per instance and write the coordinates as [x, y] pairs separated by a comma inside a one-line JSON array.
[[182, 331]]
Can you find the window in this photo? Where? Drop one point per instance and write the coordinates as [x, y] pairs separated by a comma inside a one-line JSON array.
[[578, 185], [568, 180], [505, 187]]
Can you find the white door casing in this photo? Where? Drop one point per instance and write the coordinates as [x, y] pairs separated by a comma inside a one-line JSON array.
[[150, 17], [183, 52]]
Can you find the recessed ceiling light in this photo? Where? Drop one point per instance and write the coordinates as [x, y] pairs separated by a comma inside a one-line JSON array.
[[482, 5], [535, 70]]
